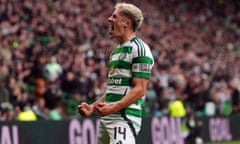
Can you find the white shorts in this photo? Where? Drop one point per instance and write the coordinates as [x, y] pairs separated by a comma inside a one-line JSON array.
[[116, 132]]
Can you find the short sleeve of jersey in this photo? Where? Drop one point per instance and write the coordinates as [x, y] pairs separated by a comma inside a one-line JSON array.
[[142, 61]]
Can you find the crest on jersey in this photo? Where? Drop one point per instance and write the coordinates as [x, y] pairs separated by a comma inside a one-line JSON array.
[[122, 56]]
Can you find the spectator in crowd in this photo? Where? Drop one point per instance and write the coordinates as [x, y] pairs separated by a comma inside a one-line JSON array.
[[53, 70], [194, 129], [69, 84], [235, 94], [4, 93], [24, 112], [177, 109], [7, 112], [52, 95], [57, 113], [39, 108]]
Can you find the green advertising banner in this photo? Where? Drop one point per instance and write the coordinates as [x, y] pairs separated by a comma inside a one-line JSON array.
[[155, 130]]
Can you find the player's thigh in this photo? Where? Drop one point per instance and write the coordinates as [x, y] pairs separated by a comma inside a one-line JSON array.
[[102, 135]]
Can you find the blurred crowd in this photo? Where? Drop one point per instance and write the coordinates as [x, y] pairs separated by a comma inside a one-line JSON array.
[[54, 54]]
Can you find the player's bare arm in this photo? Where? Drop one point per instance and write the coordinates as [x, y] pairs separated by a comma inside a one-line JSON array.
[[138, 90], [86, 110]]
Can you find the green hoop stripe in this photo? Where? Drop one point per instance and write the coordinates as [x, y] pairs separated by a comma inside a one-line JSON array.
[[141, 75], [116, 97], [113, 97], [125, 49], [133, 112], [143, 59], [119, 64]]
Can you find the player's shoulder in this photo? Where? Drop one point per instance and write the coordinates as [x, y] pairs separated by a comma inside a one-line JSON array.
[[138, 42], [140, 47]]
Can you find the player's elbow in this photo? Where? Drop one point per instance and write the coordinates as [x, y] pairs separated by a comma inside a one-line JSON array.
[[140, 86], [141, 91]]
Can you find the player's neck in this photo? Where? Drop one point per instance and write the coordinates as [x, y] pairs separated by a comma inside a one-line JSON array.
[[126, 37]]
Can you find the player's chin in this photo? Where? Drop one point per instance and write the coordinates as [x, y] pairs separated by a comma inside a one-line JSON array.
[[110, 35]]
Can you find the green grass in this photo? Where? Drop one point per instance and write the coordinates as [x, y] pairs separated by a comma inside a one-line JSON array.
[[232, 142]]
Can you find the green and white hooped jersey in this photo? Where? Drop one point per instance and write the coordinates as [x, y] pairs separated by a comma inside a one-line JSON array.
[[132, 59]]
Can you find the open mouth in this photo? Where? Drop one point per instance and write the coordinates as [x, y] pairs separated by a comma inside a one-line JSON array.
[[111, 27]]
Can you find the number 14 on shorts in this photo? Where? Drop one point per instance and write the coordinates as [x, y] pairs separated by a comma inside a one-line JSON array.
[[119, 132]]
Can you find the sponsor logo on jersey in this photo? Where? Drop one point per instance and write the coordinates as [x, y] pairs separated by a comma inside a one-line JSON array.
[[114, 81], [142, 67]]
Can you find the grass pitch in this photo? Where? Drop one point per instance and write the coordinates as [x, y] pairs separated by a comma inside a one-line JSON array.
[[232, 142]]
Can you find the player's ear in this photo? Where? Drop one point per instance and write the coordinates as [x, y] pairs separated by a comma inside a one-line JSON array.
[[126, 23]]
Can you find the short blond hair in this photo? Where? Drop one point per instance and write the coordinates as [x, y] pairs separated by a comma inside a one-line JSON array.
[[132, 12]]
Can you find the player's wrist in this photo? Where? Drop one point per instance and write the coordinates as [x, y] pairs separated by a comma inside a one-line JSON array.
[[93, 107], [117, 107]]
